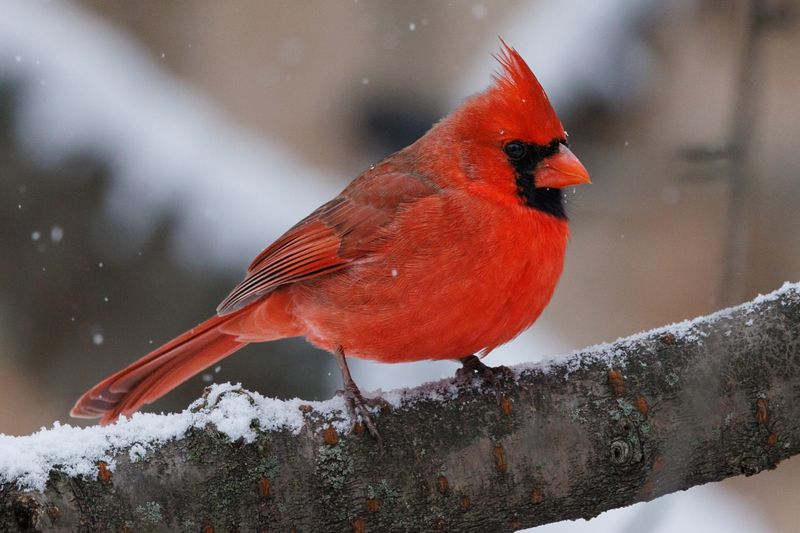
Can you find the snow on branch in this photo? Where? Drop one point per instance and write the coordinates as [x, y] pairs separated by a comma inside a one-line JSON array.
[[611, 425]]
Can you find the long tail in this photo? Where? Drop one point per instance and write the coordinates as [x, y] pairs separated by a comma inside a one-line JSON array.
[[158, 372]]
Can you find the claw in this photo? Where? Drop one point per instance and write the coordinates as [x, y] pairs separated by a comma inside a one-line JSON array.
[[473, 366], [357, 405], [358, 408]]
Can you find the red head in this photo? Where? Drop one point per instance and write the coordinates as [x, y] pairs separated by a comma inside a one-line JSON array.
[[513, 144], [520, 107]]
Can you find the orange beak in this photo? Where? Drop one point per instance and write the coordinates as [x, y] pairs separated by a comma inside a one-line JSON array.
[[561, 169]]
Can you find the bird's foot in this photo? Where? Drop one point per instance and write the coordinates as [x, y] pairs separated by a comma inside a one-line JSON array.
[[472, 367], [355, 402], [358, 406]]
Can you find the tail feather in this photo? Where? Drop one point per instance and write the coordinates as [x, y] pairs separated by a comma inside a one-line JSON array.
[[158, 372]]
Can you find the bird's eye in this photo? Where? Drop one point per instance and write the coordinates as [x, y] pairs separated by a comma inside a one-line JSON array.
[[515, 150]]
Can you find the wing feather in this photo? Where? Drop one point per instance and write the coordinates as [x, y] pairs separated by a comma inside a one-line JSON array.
[[347, 229]]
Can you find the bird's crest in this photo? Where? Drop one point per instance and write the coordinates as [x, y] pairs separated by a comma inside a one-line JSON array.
[[521, 100]]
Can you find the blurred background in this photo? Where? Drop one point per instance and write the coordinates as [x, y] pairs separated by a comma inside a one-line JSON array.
[[150, 149]]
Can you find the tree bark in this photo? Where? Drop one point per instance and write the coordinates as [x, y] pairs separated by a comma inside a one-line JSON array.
[[609, 426]]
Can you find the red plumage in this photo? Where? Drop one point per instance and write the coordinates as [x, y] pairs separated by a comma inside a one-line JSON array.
[[447, 248]]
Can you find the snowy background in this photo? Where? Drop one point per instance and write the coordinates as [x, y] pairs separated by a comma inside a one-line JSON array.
[[150, 149]]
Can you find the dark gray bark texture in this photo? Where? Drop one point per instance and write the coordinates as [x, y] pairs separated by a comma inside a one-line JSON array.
[[614, 425]]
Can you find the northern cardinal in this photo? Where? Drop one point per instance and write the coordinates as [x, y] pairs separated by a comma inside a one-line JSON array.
[[445, 249]]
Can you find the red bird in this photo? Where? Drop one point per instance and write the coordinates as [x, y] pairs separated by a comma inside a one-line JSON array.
[[448, 248]]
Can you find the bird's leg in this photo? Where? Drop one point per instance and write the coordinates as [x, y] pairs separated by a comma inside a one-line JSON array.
[[356, 404]]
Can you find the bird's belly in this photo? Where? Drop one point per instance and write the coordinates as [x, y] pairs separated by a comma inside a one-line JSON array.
[[439, 295]]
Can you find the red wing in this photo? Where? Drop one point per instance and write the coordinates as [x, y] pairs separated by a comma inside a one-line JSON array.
[[345, 230]]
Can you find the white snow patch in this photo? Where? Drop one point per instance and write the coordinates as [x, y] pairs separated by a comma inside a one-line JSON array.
[[76, 451], [435, 391], [687, 330]]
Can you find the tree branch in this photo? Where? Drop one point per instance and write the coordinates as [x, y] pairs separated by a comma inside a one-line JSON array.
[[609, 426]]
